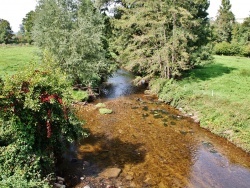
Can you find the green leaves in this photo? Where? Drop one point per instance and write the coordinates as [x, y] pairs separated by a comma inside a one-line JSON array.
[[224, 22], [5, 31], [73, 32], [160, 38], [35, 115]]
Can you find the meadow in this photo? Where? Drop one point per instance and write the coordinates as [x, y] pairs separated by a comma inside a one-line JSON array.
[[218, 94], [15, 58]]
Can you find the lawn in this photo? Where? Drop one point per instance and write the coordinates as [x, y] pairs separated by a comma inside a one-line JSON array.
[[15, 58], [219, 93]]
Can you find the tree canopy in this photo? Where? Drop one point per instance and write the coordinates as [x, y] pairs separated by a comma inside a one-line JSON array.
[[73, 32], [5, 31], [27, 26], [224, 22], [160, 38]]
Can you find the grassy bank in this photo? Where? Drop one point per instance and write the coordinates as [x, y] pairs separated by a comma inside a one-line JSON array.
[[218, 94], [15, 58]]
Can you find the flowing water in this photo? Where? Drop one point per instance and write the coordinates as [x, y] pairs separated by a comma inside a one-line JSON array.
[[152, 144]]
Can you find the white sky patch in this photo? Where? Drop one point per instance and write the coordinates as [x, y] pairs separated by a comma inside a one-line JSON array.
[[240, 8], [15, 10]]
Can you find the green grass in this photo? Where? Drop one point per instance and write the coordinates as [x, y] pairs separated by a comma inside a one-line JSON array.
[[15, 58], [220, 94]]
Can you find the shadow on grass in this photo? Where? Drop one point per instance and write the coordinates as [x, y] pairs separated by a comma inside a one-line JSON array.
[[207, 72], [95, 154]]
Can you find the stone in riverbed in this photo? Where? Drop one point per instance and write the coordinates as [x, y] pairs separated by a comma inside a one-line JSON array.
[[86, 186], [100, 105], [57, 185], [128, 177], [105, 111], [110, 173]]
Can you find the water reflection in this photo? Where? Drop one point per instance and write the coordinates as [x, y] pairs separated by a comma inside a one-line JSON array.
[[120, 84], [214, 170]]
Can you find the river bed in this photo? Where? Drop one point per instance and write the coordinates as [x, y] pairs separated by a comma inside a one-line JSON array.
[[152, 144]]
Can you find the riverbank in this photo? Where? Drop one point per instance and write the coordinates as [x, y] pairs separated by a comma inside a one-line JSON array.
[[216, 95]]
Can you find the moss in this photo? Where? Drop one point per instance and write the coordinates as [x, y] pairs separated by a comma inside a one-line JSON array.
[[105, 111]]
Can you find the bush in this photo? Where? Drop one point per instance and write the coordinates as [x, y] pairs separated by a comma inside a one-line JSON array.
[[35, 121], [225, 48], [246, 51], [171, 93]]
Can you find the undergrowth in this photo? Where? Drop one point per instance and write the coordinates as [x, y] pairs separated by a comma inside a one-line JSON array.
[[219, 93]]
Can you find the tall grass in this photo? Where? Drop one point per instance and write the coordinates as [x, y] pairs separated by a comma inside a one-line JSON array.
[[15, 58], [220, 94]]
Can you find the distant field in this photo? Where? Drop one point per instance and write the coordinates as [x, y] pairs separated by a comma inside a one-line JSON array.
[[15, 58], [220, 94]]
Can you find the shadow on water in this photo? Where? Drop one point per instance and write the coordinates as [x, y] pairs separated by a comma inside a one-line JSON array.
[[95, 154], [207, 72], [104, 152]]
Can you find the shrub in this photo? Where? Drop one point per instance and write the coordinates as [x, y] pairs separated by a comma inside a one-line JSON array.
[[35, 121], [225, 48], [246, 51]]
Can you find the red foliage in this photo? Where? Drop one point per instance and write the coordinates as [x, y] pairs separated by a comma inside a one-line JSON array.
[[45, 98]]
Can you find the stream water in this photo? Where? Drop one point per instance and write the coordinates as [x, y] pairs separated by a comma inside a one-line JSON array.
[[152, 144]]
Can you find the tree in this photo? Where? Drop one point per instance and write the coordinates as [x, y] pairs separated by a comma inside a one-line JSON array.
[[72, 31], [27, 26], [5, 31], [224, 22], [241, 32], [160, 38]]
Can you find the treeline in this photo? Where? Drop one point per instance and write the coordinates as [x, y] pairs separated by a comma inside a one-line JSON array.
[[24, 35], [230, 37]]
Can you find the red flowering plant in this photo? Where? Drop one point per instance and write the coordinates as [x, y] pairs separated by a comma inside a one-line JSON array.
[[36, 118]]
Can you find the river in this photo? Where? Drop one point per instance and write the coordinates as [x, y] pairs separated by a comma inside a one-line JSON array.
[[152, 144]]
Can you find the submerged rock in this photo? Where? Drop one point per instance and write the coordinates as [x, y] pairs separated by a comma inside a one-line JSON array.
[[157, 116], [172, 123], [110, 173], [145, 115], [100, 105]]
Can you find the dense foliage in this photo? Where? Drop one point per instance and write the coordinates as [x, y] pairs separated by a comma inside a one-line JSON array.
[[230, 37], [26, 27], [36, 120], [161, 38], [224, 22], [5, 31], [73, 32]]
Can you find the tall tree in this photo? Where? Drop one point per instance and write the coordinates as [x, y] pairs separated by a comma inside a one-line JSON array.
[[160, 38], [27, 26], [224, 22], [5, 31], [72, 31]]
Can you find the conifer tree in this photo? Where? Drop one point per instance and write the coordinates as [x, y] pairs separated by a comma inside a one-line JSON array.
[[224, 22], [160, 38]]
